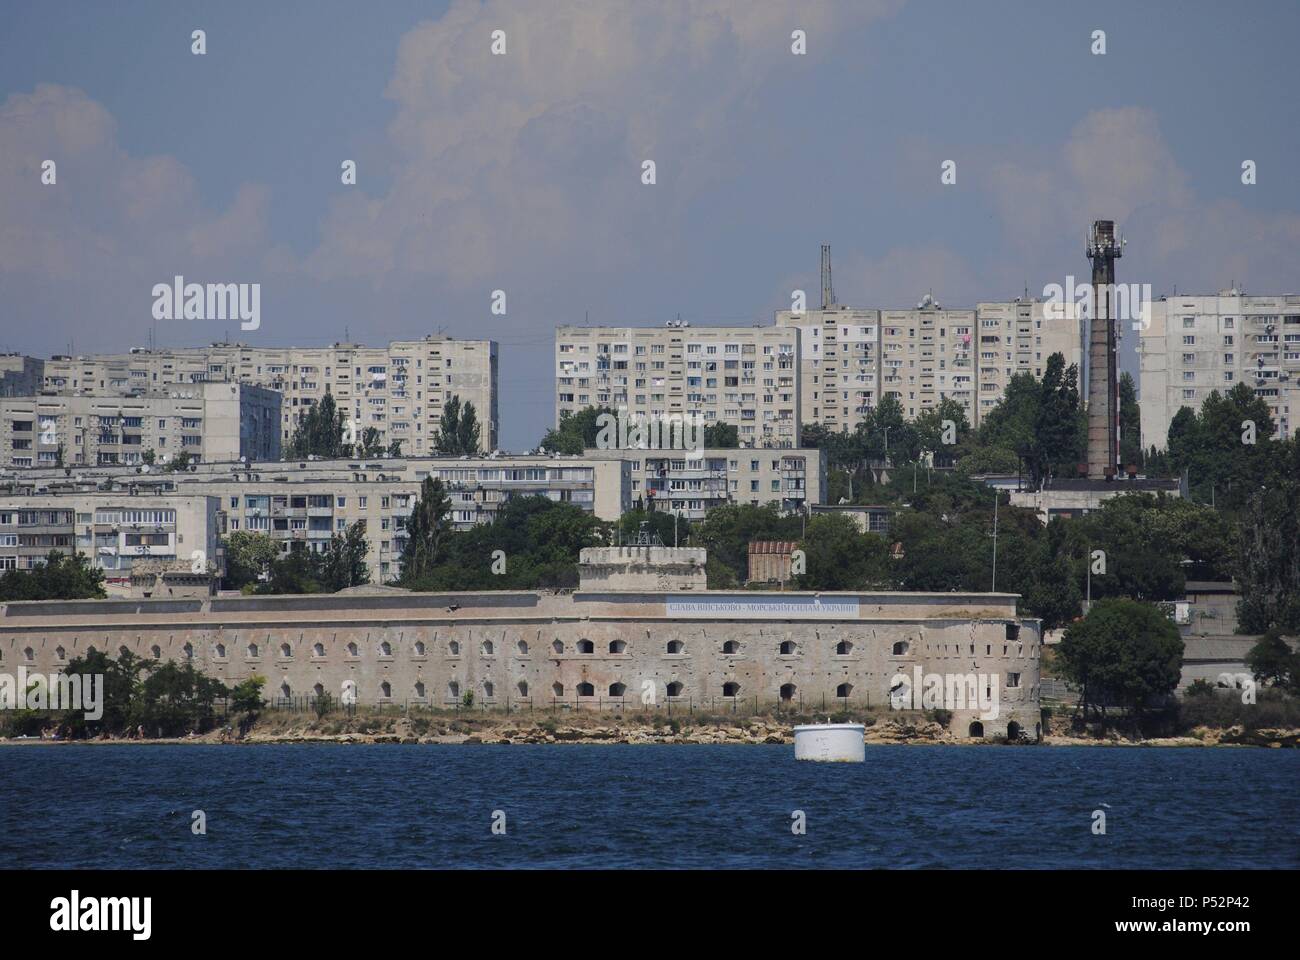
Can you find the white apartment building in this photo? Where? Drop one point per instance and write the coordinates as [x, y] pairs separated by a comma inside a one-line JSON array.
[[399, 389], [113, 529], [690, 483], [745, 376], [851, 358], [209, 421], [1197, 344], [311, 501]]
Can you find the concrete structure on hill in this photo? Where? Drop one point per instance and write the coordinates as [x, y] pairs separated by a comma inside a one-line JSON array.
[[207, 421], [398, 389], [601, 648]]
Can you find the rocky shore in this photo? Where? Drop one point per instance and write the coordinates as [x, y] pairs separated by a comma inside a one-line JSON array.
[[638, 730]]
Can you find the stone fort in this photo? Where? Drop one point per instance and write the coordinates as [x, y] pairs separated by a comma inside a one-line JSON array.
[[640, 629]]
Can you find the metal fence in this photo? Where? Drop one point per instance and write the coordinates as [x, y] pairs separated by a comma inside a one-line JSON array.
[[670, 706]]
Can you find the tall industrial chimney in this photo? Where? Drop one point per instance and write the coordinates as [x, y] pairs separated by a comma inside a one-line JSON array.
[[1103, 353]]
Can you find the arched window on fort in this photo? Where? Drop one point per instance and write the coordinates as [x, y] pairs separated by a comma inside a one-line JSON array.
[[1013, 631], [28, 654], [617, 689], [156, 652], [976, 729], [787, 647], [522, 687], [586, 690], [352, 649], [1013, 730], [787, 691], [489, 691], [59, 653], [122, 651], [675, 688], [618, 646], [318, 690], [386, 690], [419, 648], [731, 646], [252, 651], [487, 648], [286, 650], [453, 647], [843, 648], [676, 646], [318, 650], [586, 646], [557, 689], [220, 651], [901, 647], [844, 690], [453, 690], [731, 689], [385, 649], [419, 690], [523, 648], [285, 691], [557, 646], [188, 651]]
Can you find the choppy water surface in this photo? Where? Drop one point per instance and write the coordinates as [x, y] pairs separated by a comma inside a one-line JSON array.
[[646, 806]]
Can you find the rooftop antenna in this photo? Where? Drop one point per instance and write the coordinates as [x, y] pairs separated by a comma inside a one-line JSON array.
[[828, 290]]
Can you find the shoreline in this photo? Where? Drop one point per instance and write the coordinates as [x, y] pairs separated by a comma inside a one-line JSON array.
[[586, 731]]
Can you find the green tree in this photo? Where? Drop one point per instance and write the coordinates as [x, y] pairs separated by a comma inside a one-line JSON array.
[[1130, 423], [179, 463], [726, 531], [371, 444], [248, 554], [320, 433], [246, 696], [344, 563], [1123, 653], [428, 526], [1267, 546], [1272, 660], [721, 435], [395, 448], [841, 557], [60, 577], [458, 433], [576, 432]]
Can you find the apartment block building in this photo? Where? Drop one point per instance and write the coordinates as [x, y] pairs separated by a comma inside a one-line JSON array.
[[113, 529], [1197, 344], [852, 358], [690, 483], [209, 421], [308, 502], [398, 389], [745, 376], [20, 376]]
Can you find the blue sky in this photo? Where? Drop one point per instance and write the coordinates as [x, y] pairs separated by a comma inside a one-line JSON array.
[[522, 172]]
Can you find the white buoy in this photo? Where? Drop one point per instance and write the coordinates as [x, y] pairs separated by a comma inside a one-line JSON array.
[[832, 742]]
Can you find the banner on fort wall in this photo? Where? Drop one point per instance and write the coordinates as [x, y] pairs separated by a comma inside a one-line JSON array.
[[784, 608]]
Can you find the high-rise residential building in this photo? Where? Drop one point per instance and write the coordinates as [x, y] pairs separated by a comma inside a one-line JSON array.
[[398, 389], [1197, 344], [744, 376], [851, 358], [209, 421]]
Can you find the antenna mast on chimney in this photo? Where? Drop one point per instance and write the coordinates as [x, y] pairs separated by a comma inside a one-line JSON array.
[[828, 292]]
